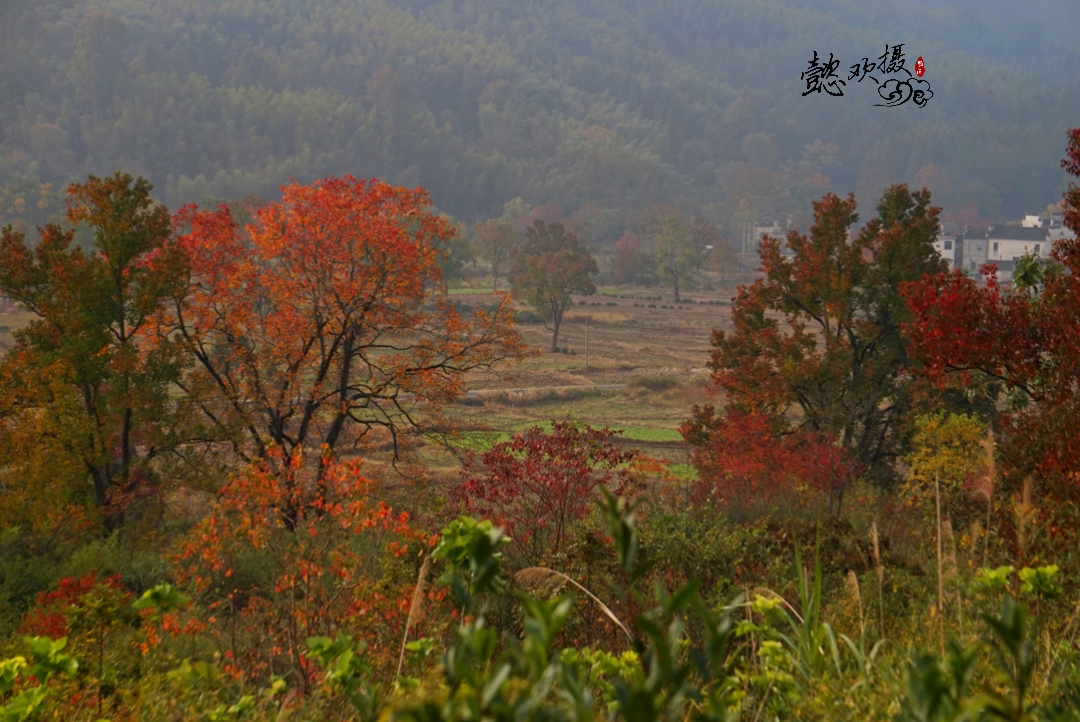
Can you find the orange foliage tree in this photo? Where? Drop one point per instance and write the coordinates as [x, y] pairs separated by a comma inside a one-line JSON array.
[[271, 583], [324, 320]]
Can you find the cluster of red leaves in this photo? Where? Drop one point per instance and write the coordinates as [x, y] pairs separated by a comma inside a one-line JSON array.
[[744, 462], [272, 582], [50, 615], [537, 483], [1025, 337]]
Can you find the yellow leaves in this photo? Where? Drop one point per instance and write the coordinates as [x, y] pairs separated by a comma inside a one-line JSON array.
[[946, 447]]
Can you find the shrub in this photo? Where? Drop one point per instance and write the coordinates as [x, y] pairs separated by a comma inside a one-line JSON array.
[[745, 465], [653, 383], [272, 581], [539, 482]]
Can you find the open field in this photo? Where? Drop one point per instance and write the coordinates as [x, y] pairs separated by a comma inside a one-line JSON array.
[[647, 366]]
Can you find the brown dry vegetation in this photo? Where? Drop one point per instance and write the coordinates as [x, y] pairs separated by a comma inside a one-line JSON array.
[[11, 318], [647, 366]]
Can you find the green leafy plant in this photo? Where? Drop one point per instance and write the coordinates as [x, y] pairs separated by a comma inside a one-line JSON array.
[[347, 672], [47, 661]]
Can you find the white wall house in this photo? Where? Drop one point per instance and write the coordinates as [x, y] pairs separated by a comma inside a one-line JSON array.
[[974, 251], [1059, 233], [1009, 243], [950, 248], [1005, 245]]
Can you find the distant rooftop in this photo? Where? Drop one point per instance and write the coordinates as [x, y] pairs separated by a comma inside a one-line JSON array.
[[1015, 233]]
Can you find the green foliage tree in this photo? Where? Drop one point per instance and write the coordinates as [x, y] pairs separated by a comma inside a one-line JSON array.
[[456, 250], [94, 310], [551, 265], [515, 209], [495, 241], [677, 257], [98, 70]]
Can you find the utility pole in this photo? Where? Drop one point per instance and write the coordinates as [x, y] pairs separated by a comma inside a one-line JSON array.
[[586, 344]]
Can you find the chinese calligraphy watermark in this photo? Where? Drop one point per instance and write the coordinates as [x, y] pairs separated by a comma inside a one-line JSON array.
[[820, 75]]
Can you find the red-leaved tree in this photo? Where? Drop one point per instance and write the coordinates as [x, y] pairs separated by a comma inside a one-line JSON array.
[[816, 344], [1025, 338], [538, 483], [744, 464]]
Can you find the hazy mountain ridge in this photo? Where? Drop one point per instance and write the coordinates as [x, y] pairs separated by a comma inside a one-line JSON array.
[[617, 104]]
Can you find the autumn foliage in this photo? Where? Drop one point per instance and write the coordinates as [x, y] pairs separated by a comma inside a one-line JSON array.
[[261, 388], [322, 324], [270, 585], [537, 484], [745, 465], [1022, 339], [55, 610], [87, 359], [817, 346]]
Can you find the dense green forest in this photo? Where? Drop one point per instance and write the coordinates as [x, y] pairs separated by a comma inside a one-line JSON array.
[[602, 108]]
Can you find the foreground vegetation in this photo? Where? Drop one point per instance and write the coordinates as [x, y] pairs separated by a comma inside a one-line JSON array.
[[234, 482]]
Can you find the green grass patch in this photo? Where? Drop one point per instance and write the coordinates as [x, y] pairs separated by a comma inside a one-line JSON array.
[[472, 291], [480, 441], [685, 472], [649, 433]]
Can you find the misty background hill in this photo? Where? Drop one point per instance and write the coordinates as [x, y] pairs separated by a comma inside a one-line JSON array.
[[602, 108]]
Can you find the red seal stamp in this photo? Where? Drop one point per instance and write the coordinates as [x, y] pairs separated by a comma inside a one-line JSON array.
[[920, 67]]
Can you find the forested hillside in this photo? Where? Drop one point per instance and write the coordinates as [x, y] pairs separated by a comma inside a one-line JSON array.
[[603, 107]]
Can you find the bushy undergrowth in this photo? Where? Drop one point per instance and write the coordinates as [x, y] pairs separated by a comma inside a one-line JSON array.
[[655, 609]]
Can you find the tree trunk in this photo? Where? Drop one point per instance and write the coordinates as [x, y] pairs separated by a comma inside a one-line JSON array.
[[557, 320], [675, 282]]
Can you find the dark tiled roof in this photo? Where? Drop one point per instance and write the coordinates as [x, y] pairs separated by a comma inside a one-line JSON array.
[[1015, 233]]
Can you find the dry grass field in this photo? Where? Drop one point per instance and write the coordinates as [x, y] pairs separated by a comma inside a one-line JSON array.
[[646, 367]]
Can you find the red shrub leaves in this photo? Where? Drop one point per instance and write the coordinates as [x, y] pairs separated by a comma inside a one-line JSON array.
[[744, 463], [52, 613], [539, 482]]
